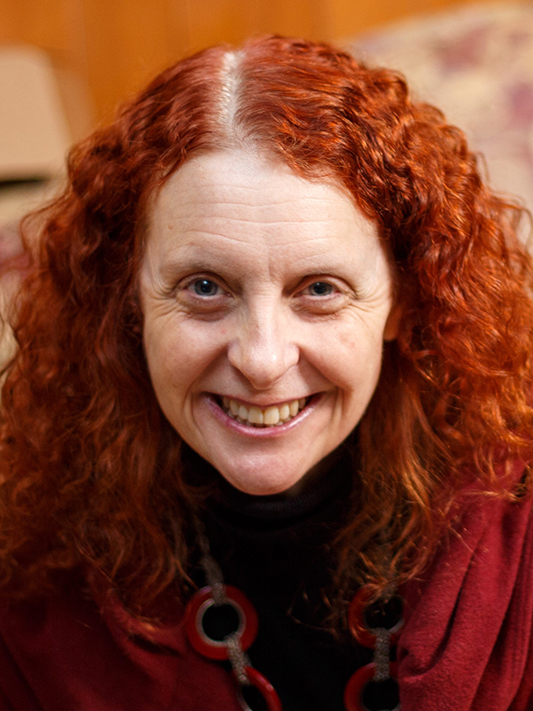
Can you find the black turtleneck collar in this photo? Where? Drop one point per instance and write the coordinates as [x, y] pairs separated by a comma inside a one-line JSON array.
[[323, 494], [278, 551]]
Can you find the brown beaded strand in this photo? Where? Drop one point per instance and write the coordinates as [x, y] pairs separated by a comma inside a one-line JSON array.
[[232, 644], [380, 638]]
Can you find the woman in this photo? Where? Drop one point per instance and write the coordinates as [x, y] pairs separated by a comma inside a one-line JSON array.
[[276, 341]]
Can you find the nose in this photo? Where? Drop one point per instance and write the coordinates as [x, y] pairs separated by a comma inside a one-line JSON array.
[[263, 349]]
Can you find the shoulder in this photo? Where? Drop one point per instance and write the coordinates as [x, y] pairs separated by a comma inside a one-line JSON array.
[[67, 652], [468, 636]]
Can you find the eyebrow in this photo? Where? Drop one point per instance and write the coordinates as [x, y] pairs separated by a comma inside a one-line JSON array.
[[193, 257], [171, 266]]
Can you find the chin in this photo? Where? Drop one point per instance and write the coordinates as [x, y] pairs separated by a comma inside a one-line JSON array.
[[262, 488], [258, 484]]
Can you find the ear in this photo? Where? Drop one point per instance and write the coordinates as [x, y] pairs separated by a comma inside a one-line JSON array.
[[392, 325]]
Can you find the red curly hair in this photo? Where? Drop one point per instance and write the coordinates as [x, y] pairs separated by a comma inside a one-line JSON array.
[[93, 474]]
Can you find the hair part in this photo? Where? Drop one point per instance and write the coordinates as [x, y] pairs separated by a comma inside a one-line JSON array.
[[229, 83]]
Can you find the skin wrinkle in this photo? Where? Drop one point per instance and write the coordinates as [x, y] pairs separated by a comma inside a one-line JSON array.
[[363, 299], [208, 230], [262, 336], [181, 261]]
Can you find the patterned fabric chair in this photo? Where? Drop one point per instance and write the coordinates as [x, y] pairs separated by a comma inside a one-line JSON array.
[[476, 63]]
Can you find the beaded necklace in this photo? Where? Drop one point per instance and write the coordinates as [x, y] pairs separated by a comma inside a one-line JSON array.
[[221, 624]]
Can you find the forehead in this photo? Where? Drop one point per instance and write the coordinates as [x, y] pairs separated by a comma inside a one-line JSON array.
[[234, 202]]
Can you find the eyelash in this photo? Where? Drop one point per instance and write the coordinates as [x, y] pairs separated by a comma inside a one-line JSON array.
[[220, 300], [192, 284], [332, 288], [204, 280]]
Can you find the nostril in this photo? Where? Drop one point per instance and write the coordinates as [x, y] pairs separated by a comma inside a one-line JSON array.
[[263, 359]]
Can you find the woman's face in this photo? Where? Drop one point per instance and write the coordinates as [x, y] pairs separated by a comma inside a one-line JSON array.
[[266, 300]]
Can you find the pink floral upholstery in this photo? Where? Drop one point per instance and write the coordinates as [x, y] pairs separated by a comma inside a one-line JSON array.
[[476, 63]]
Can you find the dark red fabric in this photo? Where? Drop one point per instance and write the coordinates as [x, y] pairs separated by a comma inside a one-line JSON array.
[[63, 655], [467, 644]]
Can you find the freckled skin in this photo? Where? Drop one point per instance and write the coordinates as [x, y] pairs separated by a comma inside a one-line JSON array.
[[264, 287]]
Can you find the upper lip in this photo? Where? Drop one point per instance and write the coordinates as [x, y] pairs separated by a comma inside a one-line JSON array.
[[262, 404]]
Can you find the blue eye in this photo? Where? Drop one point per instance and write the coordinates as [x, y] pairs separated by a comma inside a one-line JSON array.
[[205, 287], [320, 288]]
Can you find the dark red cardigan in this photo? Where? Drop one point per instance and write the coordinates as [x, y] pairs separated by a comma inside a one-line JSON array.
[[467, 644]]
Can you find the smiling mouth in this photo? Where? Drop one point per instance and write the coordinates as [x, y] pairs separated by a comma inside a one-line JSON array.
[[271, 416]]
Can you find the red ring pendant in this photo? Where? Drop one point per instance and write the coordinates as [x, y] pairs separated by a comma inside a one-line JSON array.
[[265, 687], [196, 608], [353, 693], [357, 623]]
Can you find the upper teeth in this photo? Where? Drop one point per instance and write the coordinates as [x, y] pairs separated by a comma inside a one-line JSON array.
[[272, 415]]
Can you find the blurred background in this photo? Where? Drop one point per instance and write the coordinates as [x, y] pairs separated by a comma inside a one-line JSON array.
[[115, 46], [66, 64]]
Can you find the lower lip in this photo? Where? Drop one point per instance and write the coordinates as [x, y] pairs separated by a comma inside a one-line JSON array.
[[261, 432]]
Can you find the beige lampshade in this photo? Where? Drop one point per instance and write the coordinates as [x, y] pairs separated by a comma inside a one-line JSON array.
[[34, 135]]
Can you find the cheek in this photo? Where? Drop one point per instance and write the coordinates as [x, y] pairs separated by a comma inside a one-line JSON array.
[[350, 358], [177, 355]]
